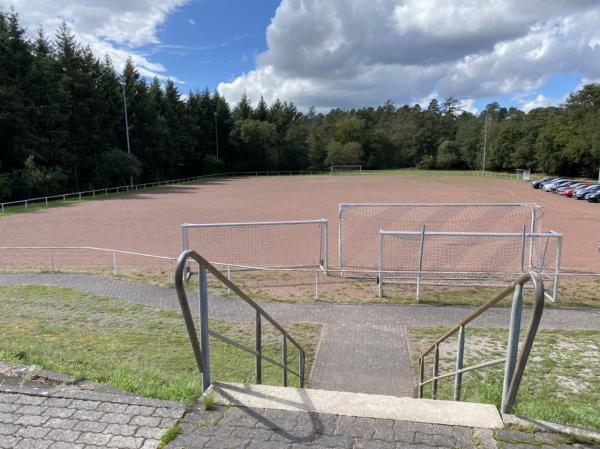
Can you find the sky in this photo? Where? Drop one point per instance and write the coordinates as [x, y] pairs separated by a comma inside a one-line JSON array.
[[345, 53]]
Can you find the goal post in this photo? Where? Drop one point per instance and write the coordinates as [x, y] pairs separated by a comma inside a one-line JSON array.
[[467, 258], [336, 169], [260, 245], [360, 223]]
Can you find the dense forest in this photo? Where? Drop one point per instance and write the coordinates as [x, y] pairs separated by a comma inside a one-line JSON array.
[[62, 127]]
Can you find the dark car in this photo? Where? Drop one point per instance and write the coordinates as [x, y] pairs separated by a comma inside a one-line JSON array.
[[540, 182], [593, 197], [581, 193]]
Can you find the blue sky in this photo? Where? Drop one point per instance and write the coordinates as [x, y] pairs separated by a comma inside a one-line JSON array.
[[345, 53], [208, 42]]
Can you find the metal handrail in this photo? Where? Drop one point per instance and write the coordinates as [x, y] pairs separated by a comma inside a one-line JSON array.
[[514, 367], [201, 346]]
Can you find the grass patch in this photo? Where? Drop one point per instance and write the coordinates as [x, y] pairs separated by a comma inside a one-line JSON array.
[[134, 348], [169, 436], [561, 381]]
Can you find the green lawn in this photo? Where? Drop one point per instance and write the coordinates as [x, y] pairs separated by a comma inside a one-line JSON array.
[[561, 382], [130, 347]]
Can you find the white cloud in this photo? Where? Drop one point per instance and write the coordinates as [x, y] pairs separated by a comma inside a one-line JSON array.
[[540, 101], [116, 28], [356, 52], [192, 22]]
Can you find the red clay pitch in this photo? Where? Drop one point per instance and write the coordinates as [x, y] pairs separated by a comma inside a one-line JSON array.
[[150, 222]]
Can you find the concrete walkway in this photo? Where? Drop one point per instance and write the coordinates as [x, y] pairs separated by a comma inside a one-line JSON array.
[[363, 347]]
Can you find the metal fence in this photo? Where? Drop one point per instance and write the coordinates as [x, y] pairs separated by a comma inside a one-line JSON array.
[[49, 258], [466, 258]]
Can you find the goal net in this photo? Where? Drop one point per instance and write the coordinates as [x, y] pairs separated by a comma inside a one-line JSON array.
[[467, 258], [359, 225], [523, 174], [340, 169], [260, 245]]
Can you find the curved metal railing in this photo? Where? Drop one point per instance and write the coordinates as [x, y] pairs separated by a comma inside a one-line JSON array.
[[201, 346], [514, 363]]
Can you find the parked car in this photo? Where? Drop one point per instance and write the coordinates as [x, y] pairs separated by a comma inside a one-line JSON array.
[[572, 189], [581, 193], [551, 187], [540, 182], [593, 197], [564, 187], [575, 184]]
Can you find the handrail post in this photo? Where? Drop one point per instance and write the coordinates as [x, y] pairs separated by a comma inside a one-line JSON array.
[[114, 263], [316, 285], [380, 277], [285, 361], [460, 351], [51, 260], [557, 269], [523, 250], [436, 371], [301, 362], [421, 376], [258, 348], [513, 342], [204, 346]]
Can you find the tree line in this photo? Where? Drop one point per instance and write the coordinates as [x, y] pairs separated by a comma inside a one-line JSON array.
[[62, 127]]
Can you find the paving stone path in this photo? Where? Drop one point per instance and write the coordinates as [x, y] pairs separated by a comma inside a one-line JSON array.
[[252, 428], [71, 418], [363, 347]]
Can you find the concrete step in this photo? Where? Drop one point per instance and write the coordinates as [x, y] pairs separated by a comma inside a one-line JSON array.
[[358, 405]]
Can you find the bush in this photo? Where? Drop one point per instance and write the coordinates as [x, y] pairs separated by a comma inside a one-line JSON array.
[[212, 165]]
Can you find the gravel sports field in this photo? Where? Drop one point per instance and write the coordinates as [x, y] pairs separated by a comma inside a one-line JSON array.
[[150, 222]]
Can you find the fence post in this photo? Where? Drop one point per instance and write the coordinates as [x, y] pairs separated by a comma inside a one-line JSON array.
[[460, 350], [204, 346], [285, 361], [114, 263], [301, 366], [513, 344], [79, 195], [523, 250], [46, 201], [316, 285], [258, 348], [25, 204], [171, 275], [420, 264], [228, 278], [380, 277], [64, 198], [51, 260]]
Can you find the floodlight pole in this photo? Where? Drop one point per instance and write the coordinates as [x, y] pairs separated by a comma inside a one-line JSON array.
[[127, 134], [216, 135], [484, 140]]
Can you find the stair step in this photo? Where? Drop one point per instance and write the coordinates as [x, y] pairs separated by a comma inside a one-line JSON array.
[[358, 404]]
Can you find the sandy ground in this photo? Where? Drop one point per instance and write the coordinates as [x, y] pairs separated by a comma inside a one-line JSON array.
[[150, 222]]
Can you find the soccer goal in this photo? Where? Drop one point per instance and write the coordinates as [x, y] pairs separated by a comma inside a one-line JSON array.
[[523, 174], [341, 169], [467, 258], [359, 225], [260, 245]]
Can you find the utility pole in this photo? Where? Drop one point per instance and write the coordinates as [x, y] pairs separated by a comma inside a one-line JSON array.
[[216, 135], [127, 135], [484, 140]]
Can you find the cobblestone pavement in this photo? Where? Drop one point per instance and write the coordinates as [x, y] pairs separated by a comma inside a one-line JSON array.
[[251, 428], [70, 418], [363, 347]]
